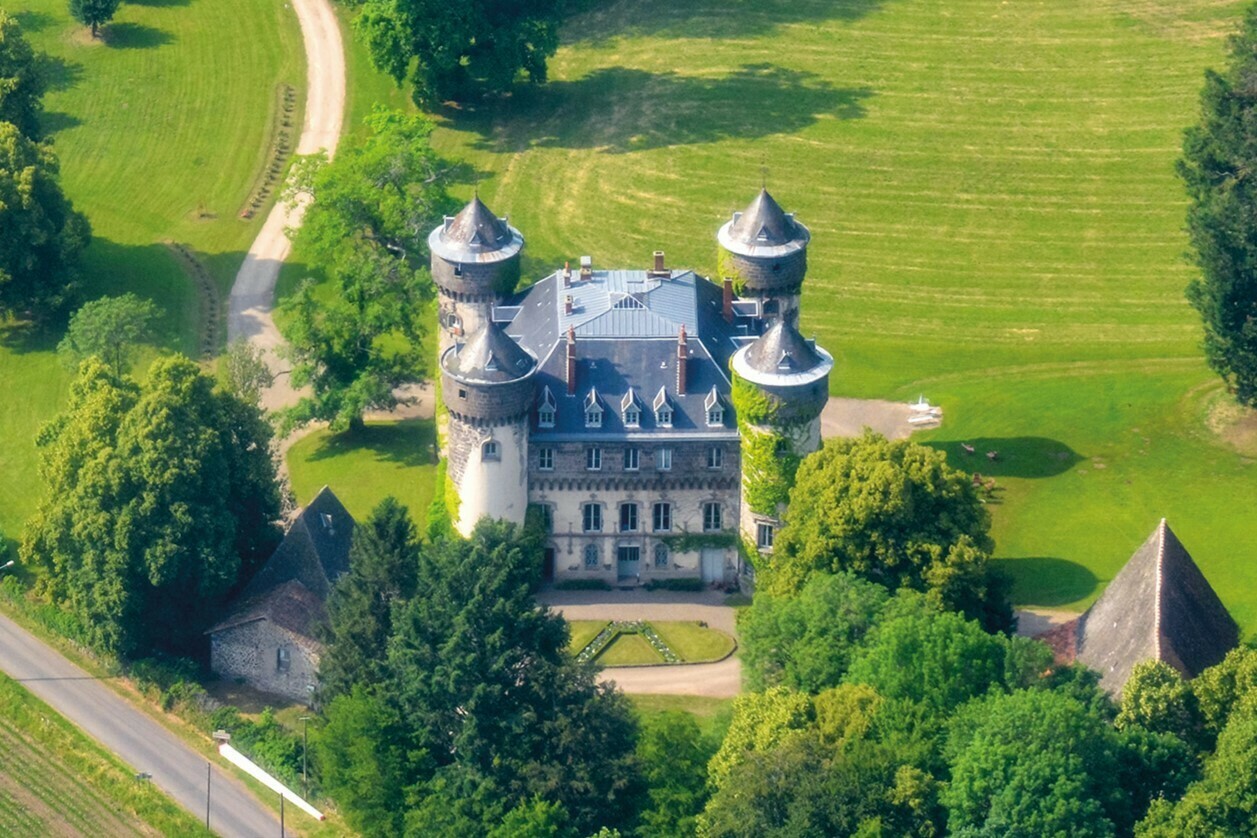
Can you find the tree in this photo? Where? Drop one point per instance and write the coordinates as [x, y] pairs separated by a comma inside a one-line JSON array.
[[243, 373], [22, 84], [161, 499], [447, 50], [41, 236], [108, 327], [894, 513], [364, 761], [1223, 687], [1033, 762], [673, 754], [1219, 155], [366, 229], [93, 13], [761, 722], [1157, 699], [383, 573], [805, 642]]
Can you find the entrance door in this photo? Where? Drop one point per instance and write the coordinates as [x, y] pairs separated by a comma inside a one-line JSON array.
[[547, 565], [713, 564], [628, 562]]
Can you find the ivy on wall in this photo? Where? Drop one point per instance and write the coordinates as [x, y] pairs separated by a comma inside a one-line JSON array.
[[692, 542], [769, 461]]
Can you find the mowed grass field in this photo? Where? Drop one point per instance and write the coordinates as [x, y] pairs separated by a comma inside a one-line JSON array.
[[996, 224], [55, 781], [162, 128]]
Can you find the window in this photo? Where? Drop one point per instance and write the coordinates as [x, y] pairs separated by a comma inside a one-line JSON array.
[[593, 418], [715, 457], [663, 459], [631, 409], [628, 517], [661, 517], [545, 459], [716, 416], [632, 418], [711, 516], [591, 557], [631, 458], [547, 517], [715, 410], [593, 458], [591, 517], [545, 417], [663, 409], [764, 536], [661, 555], [462, 394], [282, 659], [489, 450], [664, 417]]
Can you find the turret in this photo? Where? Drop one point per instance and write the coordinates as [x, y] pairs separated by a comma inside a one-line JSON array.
[[488, 388], [780, 387], [766, 255], [475, 263]]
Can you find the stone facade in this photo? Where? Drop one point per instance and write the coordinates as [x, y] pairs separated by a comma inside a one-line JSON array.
[[267, 657]]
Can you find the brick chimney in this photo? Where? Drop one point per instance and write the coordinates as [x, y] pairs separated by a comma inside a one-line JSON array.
[[659, 271], [567, 274], [567, 304], [571, 361], [727, 307], [683, 360], [586, 269]]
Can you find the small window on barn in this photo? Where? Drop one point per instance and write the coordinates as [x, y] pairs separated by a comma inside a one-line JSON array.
[[282, 659]]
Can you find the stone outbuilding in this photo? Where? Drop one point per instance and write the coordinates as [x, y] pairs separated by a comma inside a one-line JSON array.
[[269, 638], [1158, 607]]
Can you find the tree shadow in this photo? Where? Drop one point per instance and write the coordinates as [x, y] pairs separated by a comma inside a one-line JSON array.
[[55, 121], [58, 73], [409, 442], [621, 109], [32, 21], [1047, 582], [1021, 456], [729, 19], [135, 36], [159, 3]]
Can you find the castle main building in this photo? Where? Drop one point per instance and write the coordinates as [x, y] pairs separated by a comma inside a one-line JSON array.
[[610, 398]]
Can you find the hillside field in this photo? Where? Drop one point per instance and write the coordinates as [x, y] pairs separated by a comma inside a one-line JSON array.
[[996, 225]]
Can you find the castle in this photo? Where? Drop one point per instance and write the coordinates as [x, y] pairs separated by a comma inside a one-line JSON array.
[[653, 416]]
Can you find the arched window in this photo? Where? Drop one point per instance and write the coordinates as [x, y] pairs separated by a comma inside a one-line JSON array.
[[661, 555], [591, 557], [489, 450]]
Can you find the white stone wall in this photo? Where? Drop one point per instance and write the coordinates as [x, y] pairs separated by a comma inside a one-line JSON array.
[[497, 488], [251, 652]]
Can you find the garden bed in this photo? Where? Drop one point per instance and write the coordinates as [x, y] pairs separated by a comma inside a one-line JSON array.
[[640, 643]]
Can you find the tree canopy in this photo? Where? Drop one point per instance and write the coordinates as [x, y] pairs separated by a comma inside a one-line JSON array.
[[109, 328], [894, 513], [93, 13], [1219, 155], [41, 236], [452, 50], [366, 230], [22, 84], [161, 498]]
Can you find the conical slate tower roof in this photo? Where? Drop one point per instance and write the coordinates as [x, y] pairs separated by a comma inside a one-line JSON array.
[[489, 356], [1158, 607], [477, 226], [782, 350], [764, 223]]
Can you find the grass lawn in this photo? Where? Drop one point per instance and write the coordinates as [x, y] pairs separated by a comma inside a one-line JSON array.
[[161, 129], [55, 781], [385, 458], [583, 631], [996, 224], [628, 650], [712, 714], [692, 642]]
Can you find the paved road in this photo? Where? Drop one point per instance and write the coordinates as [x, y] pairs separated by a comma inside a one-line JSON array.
[[138, 740], [253, 293], [717, 680]]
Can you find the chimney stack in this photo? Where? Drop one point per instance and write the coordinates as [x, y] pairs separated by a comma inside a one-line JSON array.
[[571, 361], [727, 307], [586, 269], [567, 274], [659, 271], [567, 304], [683, 360]]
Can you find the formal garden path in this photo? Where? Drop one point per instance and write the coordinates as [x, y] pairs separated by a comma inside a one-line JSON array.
[[250, 305]]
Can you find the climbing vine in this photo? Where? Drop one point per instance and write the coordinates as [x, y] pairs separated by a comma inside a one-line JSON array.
[[725, 267], [692, 542], [769, 461]]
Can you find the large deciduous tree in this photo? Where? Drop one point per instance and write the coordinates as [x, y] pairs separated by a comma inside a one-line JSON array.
[[1218, 164], [22, 85], [93, 13], [894, 513], [41, 236], [366, 230], [160, 499], [109, 328], [452, 49]]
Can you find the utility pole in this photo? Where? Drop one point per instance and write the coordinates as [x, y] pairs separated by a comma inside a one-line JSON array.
[[281, 815], [209, 767], [305, 784]]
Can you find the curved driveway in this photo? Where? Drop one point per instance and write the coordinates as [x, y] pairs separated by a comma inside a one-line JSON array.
[[253, 293]]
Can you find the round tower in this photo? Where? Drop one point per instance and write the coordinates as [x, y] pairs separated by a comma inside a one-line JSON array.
[[488, 388], [475, 263], [765, 252], [780, 387]]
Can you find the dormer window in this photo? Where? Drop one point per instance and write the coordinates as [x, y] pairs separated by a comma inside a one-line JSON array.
[[593, 410], [786, 363], [663, 409], [715, 410], [492, 364], [546, 410], [631, 410]]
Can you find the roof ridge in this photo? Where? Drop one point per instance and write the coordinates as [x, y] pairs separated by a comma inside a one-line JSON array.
[[1159, 582]]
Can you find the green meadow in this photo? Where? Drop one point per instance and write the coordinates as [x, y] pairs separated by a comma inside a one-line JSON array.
[[163, 128], [996, 225]]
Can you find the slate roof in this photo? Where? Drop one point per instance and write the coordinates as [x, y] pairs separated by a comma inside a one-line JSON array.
[[763, 229], [1158, 607], [782, 349], [475, 235], [313, 555], [489, 355]]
